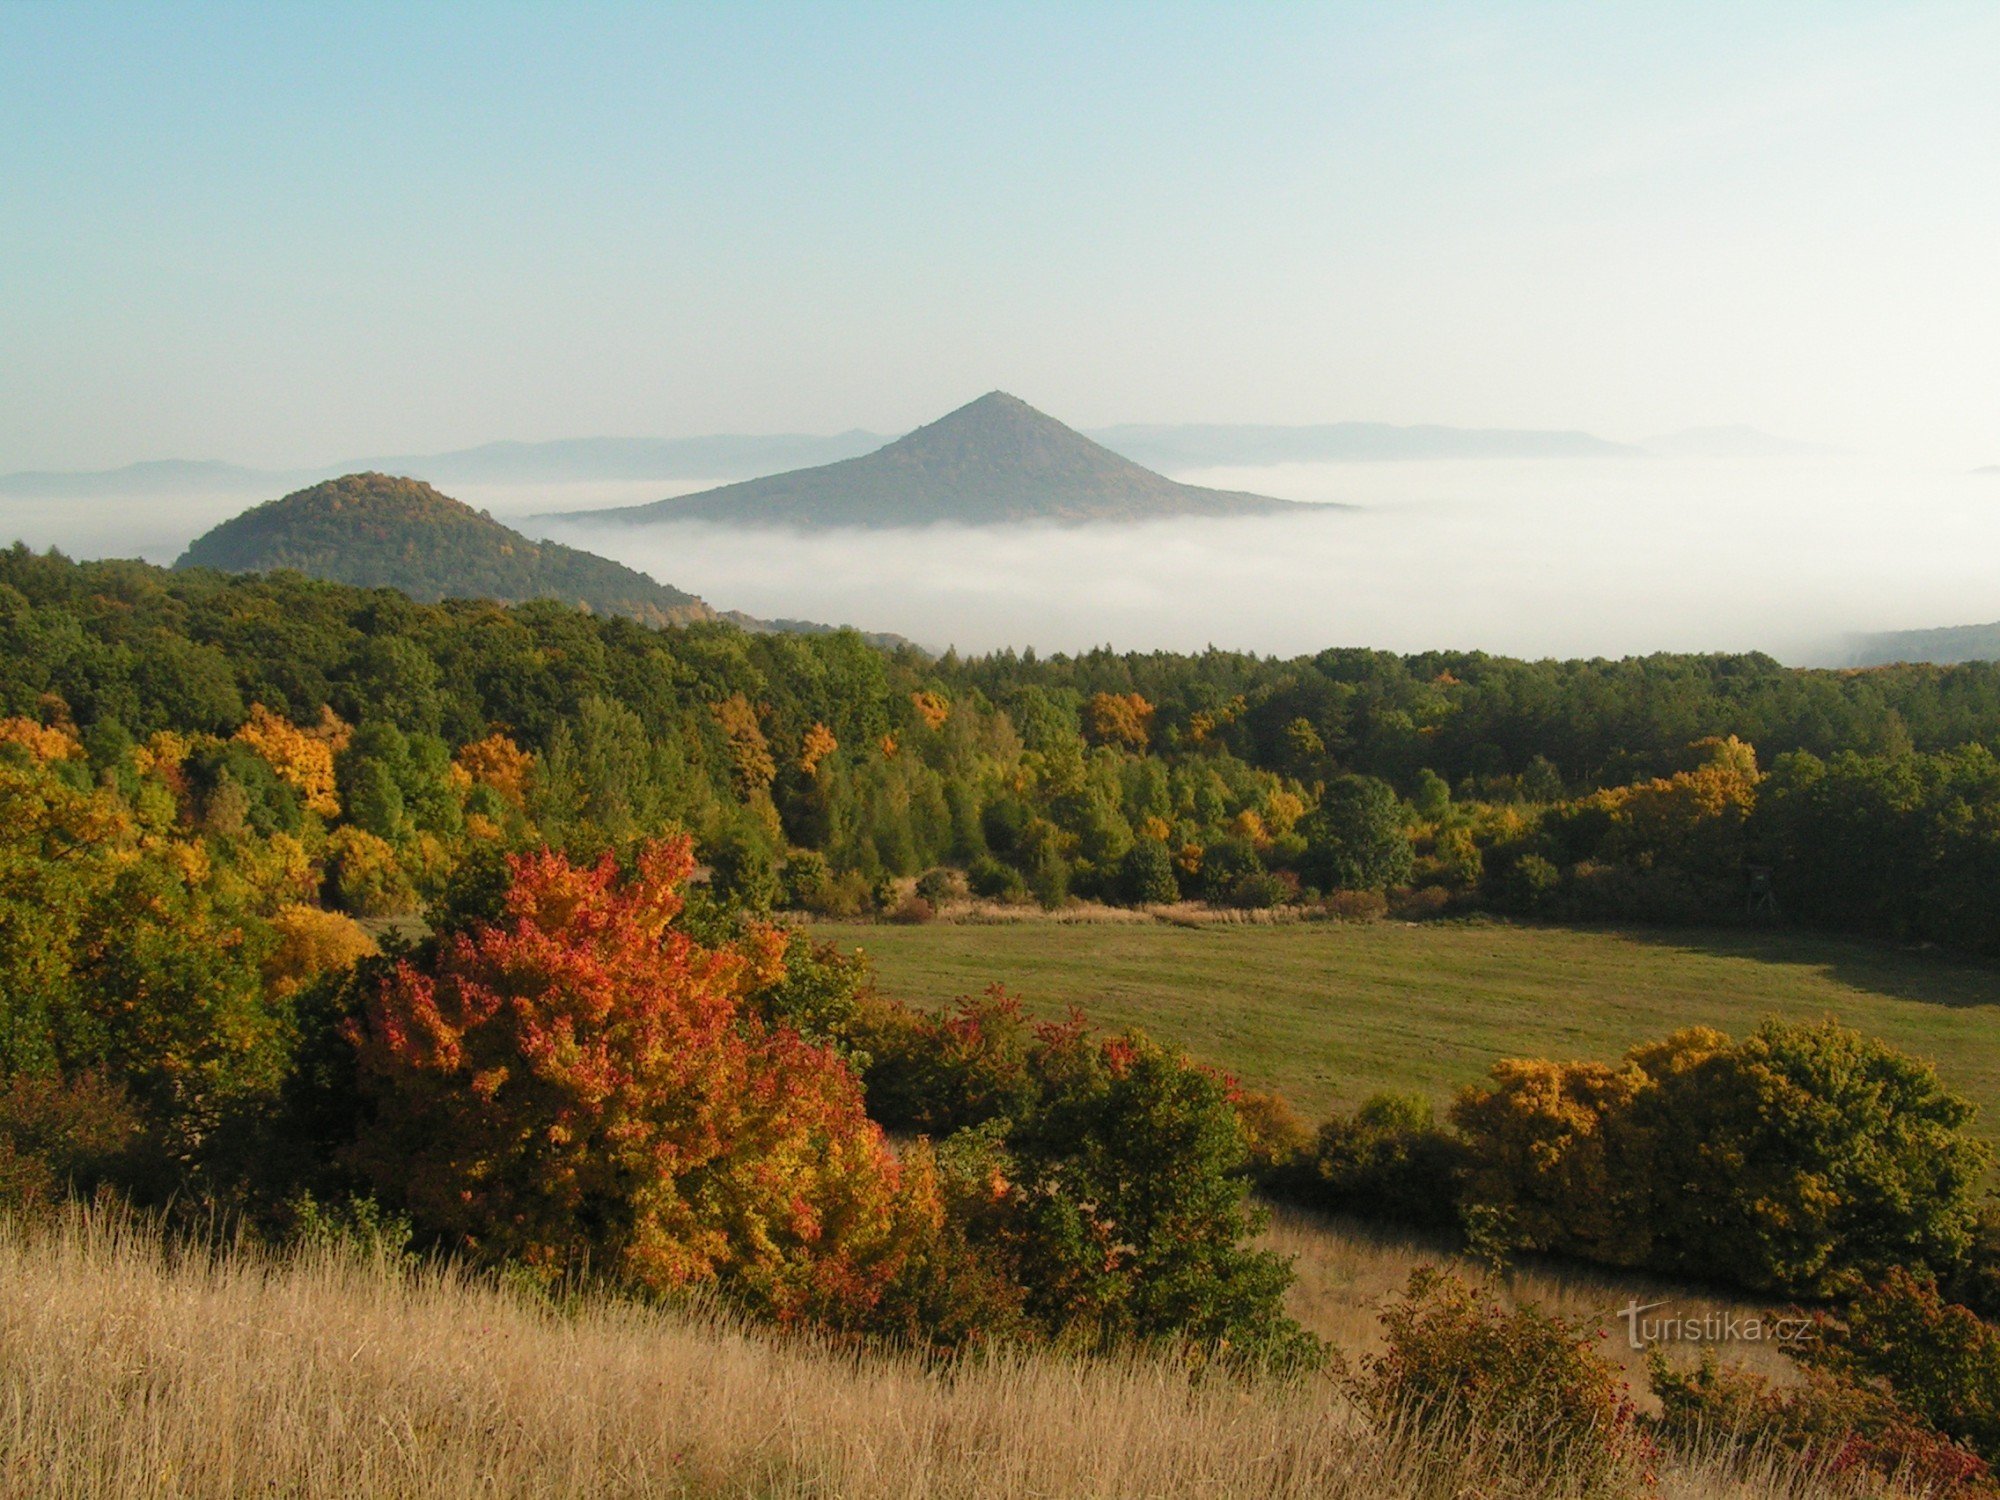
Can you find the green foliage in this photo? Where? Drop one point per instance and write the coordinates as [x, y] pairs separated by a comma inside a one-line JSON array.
[[376, 530], [1389, 1159], [1129, 1209], [1355, 840], [1146, 875]]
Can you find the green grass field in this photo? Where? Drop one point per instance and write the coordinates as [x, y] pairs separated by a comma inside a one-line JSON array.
[[1329, 1013]]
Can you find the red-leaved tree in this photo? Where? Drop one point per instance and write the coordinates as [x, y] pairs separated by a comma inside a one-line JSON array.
[[577, 1083]]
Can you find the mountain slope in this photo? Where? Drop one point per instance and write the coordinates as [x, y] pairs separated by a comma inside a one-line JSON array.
[[377, 531], [996, 460], [1190, 445]]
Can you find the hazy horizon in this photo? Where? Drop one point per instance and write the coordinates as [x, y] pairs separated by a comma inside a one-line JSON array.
[[276, 235], [1566, 557]]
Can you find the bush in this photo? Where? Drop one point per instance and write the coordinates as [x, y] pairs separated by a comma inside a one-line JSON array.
[[1802, 1160], [940, 1073], [1356, 906], [1277, 1140], [580, 1084], [1833, 1423], [1146, 875], [60, 1137], [1389, 1159], [912, 911], [995, 881], [1425, 904], [941, 886], [1263, 889], [1941, 1361], [1522, 1393], [1127, 1212]]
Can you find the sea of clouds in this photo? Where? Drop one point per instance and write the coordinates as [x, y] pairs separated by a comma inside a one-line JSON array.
[[1544, 557]]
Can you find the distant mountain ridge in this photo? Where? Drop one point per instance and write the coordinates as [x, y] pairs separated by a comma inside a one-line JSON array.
[[995, 460], [1191, 445], [379, 531], [563, 461], [1946, 646]]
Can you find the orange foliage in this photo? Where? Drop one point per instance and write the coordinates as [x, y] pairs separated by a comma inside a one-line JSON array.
[[310, 942], [818, 744], [749, 753], [932, 708], [889, 747], [1121, 720], [303, 759], [578, 1082], [42, 742], [499, 763]]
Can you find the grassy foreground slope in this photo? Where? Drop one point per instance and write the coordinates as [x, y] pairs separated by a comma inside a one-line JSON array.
[[134, 1371], [1328, 1013]]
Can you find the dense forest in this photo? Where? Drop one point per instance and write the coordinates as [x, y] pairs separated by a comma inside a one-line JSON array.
[[816, 771]]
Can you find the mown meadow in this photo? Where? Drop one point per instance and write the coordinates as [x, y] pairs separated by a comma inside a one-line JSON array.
[[1327, 1013]]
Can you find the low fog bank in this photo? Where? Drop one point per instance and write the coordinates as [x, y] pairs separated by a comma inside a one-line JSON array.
[[1533, 557], [1570, 558]]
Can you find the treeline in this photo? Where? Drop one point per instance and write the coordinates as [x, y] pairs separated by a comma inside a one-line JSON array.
[[818, 771]]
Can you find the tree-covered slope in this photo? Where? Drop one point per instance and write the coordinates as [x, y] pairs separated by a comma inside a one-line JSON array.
[[379, 531], [997, 460]]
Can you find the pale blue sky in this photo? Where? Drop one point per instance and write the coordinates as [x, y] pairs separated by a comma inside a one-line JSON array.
[[286, 234]]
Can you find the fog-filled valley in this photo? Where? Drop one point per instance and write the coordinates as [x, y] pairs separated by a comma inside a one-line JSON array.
[[1567, 557]]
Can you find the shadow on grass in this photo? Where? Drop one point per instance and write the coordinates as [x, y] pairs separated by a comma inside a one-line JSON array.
[[1930, 976]]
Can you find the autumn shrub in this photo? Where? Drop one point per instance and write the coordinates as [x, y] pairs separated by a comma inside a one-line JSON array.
[[1521, 1392], [941, 1072], [912, 911], [578, 1084], [1276, 1141], [60, 1136], [1424, 904], [1355, 906], [1846, 1428], [1941, 1361], [1803, 1159]]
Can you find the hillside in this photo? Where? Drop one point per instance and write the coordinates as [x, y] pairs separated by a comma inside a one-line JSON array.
[[379, 531], [997, 460]]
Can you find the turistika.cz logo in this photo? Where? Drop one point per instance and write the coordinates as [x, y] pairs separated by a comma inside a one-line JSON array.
[[1642, 1332]]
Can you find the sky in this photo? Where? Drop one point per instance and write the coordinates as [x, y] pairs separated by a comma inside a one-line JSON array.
[[284, 234]]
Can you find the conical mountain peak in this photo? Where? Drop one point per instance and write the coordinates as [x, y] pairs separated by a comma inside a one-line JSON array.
[[992, 461]]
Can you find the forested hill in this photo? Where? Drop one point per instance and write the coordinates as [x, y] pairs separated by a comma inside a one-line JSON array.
[[379, 531], [996, 460]]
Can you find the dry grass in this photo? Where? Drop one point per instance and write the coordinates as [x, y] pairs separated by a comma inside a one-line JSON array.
[[132, 1371]]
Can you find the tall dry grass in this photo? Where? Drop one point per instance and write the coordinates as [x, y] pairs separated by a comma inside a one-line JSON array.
[[132, 1369]]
